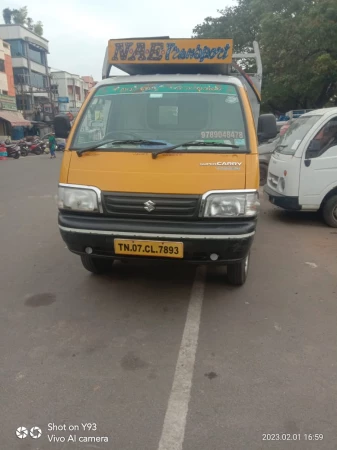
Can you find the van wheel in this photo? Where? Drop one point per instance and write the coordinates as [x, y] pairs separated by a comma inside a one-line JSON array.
[[96, 265], [237, 273], [330, 212]]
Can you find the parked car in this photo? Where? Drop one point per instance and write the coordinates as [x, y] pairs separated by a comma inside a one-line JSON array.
[[265, 151]]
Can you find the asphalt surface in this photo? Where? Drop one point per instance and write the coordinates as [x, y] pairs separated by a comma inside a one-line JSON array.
[[255, 364]]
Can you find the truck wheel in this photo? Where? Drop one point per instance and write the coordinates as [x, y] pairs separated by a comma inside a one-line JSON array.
[[330, 212], [96, 265], [237, 273], [263, 174]]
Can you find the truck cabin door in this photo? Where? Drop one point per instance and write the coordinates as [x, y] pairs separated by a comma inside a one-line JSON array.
[[319, 166]]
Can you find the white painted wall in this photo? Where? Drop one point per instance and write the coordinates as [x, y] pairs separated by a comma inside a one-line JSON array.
[[19, 32], [63, 80], [37, 67], [19, 62]]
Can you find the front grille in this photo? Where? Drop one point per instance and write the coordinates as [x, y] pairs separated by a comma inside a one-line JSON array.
[[161, 205]]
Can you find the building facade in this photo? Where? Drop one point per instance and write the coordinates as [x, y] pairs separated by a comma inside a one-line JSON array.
[[71, 91], [30, 67], [90, 82], [11, 121], [6, 70]]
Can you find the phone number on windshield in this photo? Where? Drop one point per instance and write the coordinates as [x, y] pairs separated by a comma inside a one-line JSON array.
[[292, 437], [222, 134]]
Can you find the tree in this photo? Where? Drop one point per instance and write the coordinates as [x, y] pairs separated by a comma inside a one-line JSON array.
[[298, 41], [7, 15], [38, 28], [30, 24], [20, 17]]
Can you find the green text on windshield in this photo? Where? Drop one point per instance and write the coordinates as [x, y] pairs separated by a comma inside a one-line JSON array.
[[168, 113]]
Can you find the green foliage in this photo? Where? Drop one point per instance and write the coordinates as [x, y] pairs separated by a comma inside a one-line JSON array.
[[7, 15], [30, 24], [298, 41], [38, 28], [20, 17]]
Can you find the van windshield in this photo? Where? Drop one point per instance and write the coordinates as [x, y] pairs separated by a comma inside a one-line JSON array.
[[171, 113], [289, 142]]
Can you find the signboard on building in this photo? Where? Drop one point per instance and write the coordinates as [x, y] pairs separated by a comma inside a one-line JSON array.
[[63, 107], [63, 99], [7, 102]]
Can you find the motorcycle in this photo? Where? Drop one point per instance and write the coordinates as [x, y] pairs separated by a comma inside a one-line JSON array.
[[60, 144], [23, 147], [36, 146], [13, 150]]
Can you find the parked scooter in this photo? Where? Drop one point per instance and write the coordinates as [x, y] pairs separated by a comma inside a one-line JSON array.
[[61, 145], [36, 146], [23, 147], [13, 150]]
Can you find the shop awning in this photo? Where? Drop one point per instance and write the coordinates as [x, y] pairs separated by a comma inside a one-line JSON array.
[[15, 118]]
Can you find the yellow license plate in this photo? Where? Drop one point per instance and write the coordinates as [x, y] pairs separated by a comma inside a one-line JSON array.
[[149, 248]]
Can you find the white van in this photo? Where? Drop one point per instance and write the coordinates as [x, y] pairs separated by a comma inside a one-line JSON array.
[[302, 172]]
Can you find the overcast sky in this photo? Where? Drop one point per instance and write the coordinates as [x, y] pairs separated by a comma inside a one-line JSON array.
[[78, 30]]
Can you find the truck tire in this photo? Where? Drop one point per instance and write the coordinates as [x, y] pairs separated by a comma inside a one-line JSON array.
[[96, 265], [237, 273], [330, 212]]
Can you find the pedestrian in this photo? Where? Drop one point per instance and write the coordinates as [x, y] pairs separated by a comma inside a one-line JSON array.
[[52, 146]]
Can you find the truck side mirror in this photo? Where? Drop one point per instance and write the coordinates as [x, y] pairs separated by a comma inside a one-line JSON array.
[[62, 126], [266, 128]]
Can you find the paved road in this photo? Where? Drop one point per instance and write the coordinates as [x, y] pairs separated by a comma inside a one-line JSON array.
[[163, 358]]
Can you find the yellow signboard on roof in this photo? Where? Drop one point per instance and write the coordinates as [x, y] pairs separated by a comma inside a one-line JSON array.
[[170, 51]]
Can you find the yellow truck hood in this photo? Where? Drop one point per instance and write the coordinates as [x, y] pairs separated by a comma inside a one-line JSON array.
[[170, 173]]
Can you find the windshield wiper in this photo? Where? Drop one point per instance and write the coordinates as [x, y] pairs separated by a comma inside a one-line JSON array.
[[191, 144], [96, 146], [279, 146]]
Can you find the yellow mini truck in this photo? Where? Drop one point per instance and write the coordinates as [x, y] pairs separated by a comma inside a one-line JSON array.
[[162, 163]]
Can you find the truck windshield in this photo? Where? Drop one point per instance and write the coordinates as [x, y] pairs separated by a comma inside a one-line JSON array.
[[290, 141], [170, 113]]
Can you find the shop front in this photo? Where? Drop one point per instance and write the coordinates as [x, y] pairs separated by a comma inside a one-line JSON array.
[[12, 122]]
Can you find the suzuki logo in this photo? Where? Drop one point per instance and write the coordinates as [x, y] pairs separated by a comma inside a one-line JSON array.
[[149, 206]]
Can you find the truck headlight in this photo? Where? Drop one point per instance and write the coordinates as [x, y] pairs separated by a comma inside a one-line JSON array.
[[231, 205], [78, 199], [281, 184]]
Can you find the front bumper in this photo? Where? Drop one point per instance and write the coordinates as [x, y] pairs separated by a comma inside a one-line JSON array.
[[231, 240], [283, 201]]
